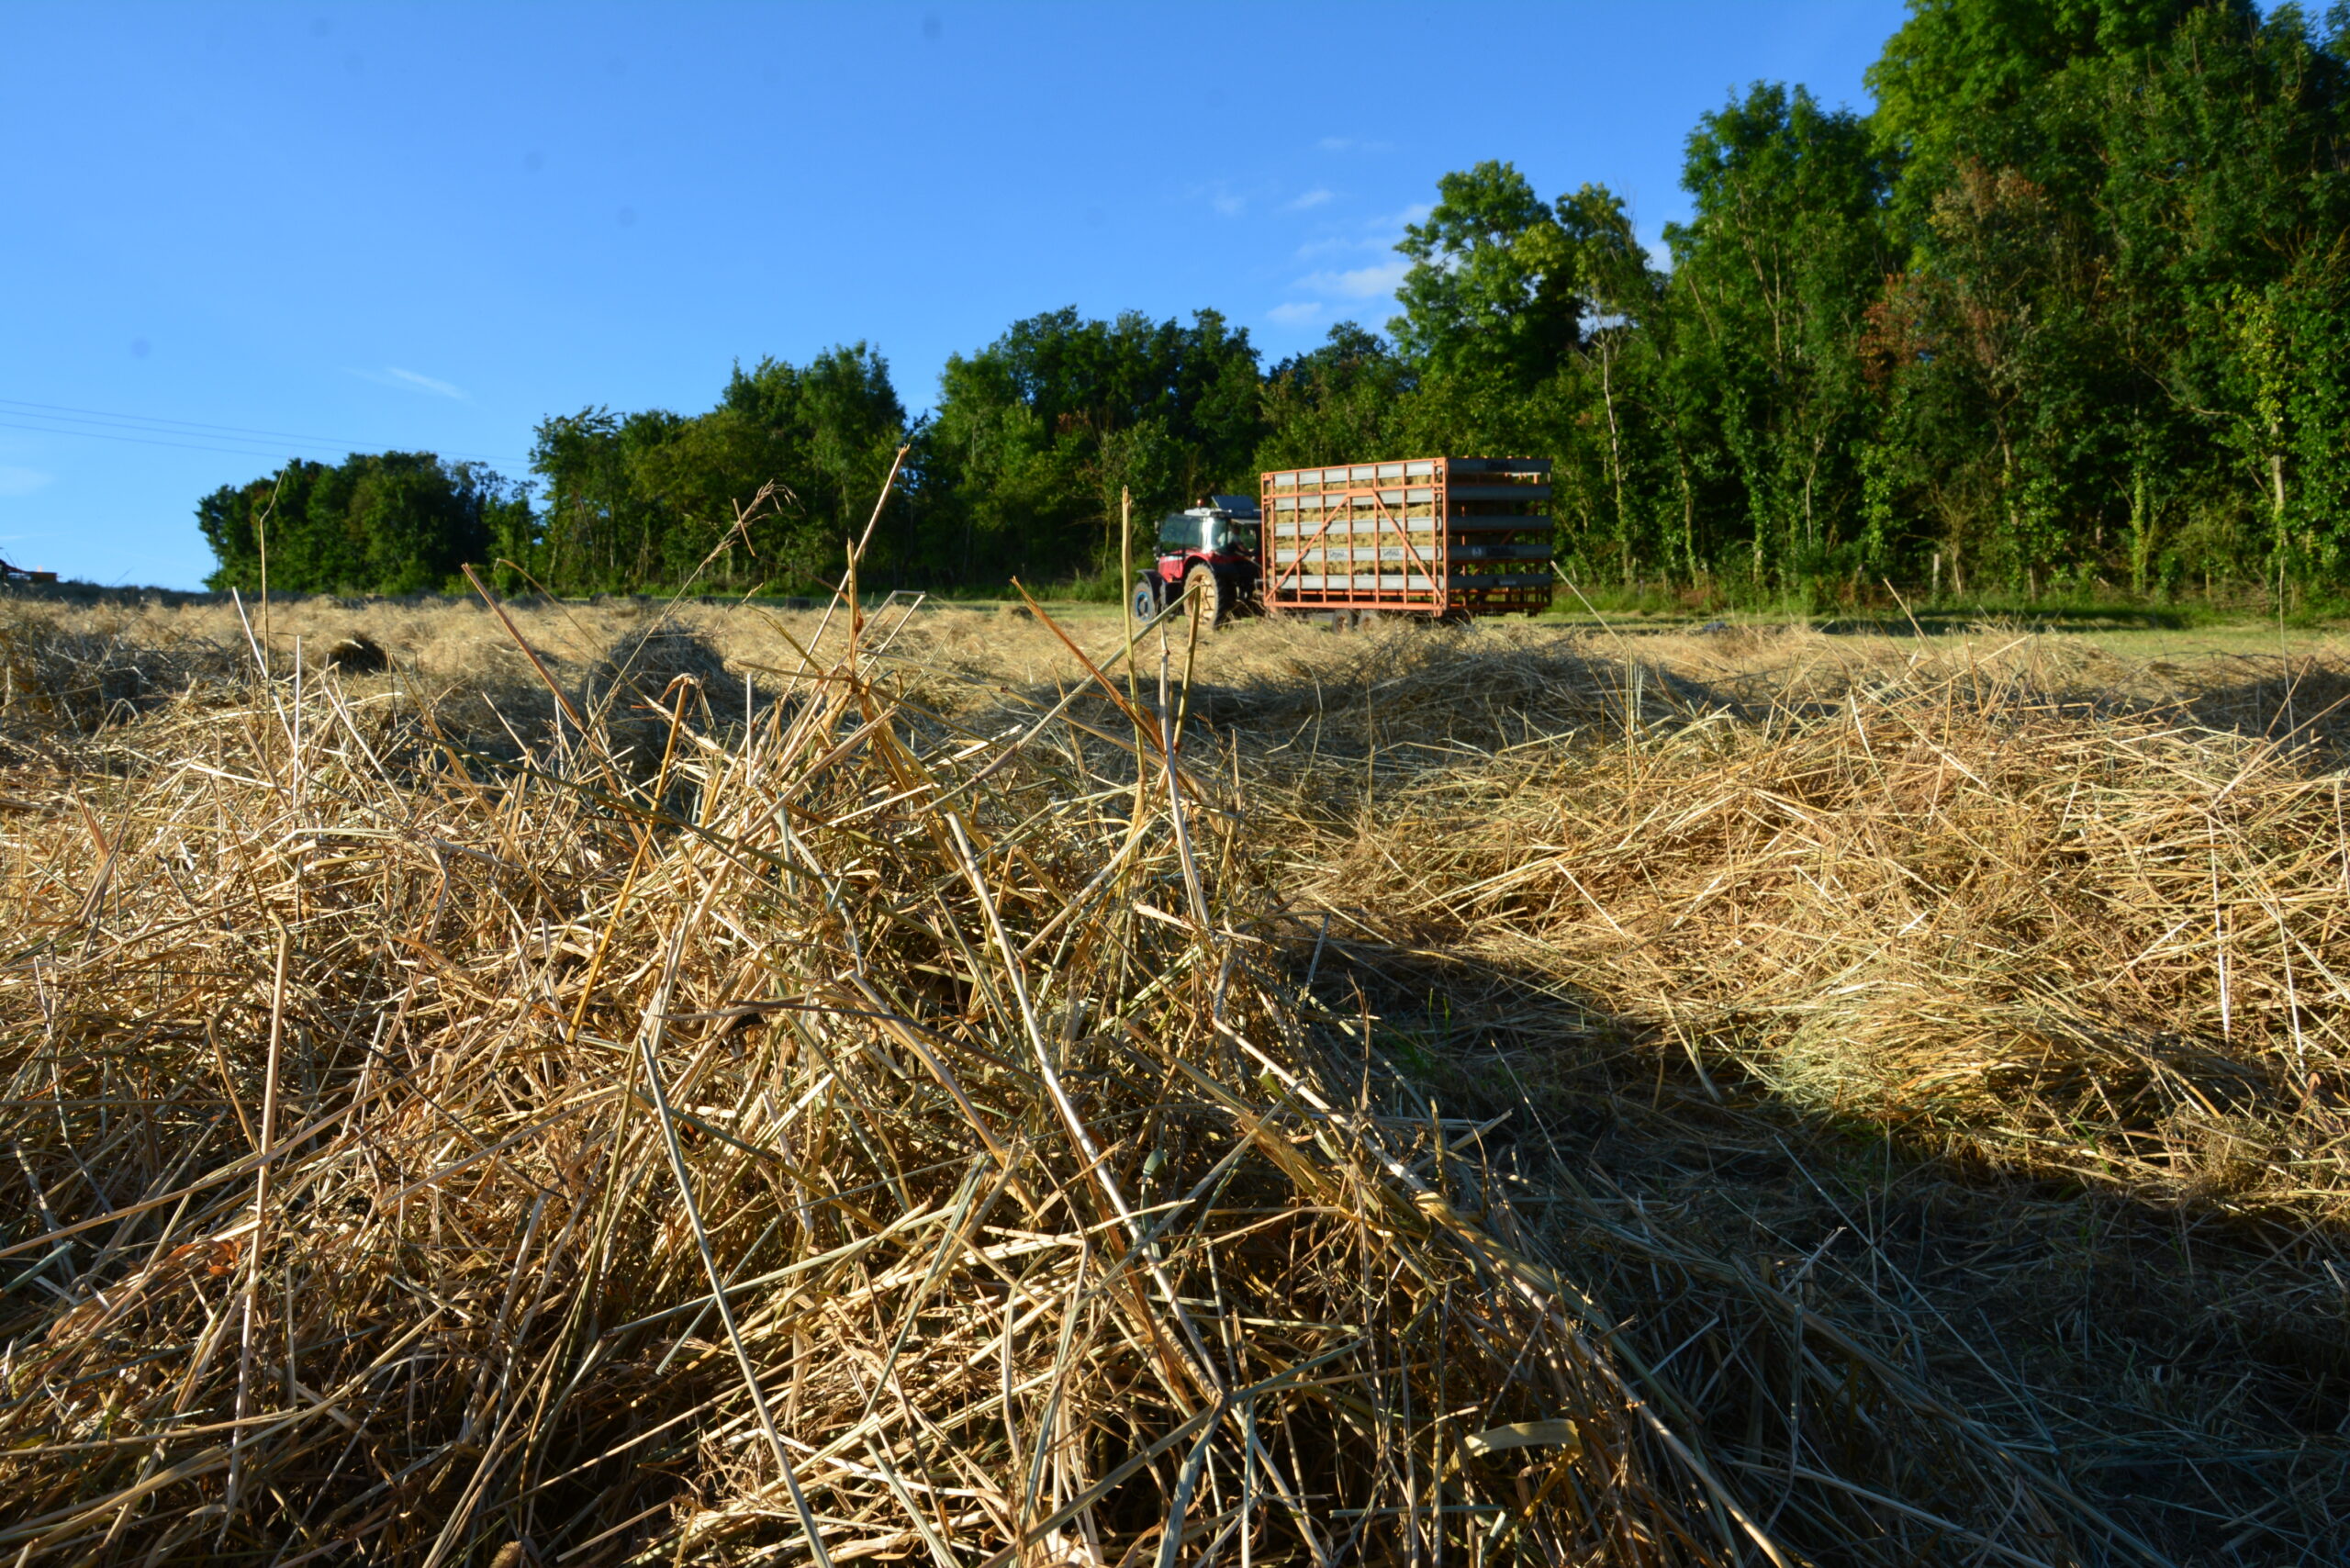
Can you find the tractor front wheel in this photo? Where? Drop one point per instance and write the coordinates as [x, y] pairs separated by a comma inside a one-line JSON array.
[[1145, 600], [1210, 603]]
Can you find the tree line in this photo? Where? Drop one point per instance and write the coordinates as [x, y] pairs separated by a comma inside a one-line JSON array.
[[2068, 311]]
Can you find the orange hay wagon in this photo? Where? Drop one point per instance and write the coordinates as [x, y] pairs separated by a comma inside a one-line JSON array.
[[1448, 537]]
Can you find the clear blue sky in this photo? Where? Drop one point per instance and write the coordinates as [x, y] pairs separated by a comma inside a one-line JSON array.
[[429, 225]]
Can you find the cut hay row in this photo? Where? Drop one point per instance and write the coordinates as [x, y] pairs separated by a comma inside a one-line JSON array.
[[869, 1113], [856, 1138], [1960, 1001], [2114, 945]]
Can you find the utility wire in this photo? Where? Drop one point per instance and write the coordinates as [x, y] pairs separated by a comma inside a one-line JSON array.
[[263, 455], [150, 441], [59, 419], [58, 408]]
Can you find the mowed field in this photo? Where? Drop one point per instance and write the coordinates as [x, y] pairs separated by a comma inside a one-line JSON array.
[[631, 1083]]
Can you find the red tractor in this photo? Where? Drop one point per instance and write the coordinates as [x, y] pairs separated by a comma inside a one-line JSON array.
[[1209, 552]]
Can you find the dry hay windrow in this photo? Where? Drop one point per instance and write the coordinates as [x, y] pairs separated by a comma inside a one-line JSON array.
[[2114, 945], [454, 1143], [1967, 999], [903, 1147]]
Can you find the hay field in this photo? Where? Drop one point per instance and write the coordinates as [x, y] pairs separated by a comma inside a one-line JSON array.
[[640, 1083]]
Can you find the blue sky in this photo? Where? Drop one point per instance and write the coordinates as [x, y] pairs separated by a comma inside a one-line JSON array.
[[234, 234]]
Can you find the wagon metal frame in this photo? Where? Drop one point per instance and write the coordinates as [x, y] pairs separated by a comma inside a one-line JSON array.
[[1442, 536]]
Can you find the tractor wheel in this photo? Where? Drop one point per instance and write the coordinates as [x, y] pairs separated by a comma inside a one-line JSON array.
[[1210, 604], [1145, 600]]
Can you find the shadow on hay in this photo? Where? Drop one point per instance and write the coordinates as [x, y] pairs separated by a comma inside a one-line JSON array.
[[627, 695], [1420, 700], [64, 680], [2304, 705], [1925, 623], [2183, 1367]]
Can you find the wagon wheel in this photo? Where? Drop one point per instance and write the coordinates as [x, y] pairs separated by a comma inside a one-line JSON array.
[[1210, 604]]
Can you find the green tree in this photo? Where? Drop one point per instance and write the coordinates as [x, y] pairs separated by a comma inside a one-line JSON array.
[[2088, 352], [645, 499], [1966, 79], [2228, 195], [378, 523], [1492, 288], [1621, 405], [1776, 272], [2012, 399], [1035, 435], [1336, 403]]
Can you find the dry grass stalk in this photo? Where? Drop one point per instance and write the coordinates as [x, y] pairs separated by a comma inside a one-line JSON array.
[[829, 1117], [872, 1156]]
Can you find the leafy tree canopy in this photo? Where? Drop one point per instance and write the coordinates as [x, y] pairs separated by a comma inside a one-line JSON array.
[[391, 522]]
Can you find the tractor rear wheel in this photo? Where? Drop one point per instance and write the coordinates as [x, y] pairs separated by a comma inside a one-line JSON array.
[[1210, 603]]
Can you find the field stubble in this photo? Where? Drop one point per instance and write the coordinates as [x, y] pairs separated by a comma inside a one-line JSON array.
[[1507, 1095]]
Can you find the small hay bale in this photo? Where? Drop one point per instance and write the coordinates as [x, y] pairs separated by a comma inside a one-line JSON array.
[[358, 654]]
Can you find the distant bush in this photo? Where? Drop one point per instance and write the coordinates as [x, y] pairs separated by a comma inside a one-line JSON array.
[[377, 522]]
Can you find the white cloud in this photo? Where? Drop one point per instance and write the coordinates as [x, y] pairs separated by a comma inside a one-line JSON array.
[[423, 382], [1221, 198], [1312, 198], [1295, 312], [410, 381], [1358, 282], [1379, 235], [23, 481], [1395, 223]]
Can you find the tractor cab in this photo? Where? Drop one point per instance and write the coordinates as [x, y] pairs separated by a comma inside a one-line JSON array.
[[1210, 549]]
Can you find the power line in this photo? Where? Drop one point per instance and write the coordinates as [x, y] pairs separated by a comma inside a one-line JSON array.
[[144, 429], [265, 456], [158, 420], [259, 454], [66, 414], [255, 448]]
